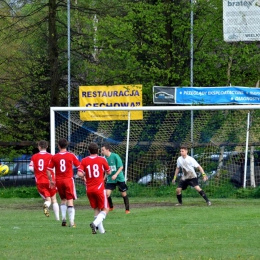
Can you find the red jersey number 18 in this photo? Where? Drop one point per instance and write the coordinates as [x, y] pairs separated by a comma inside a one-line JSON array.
[[95, 170]]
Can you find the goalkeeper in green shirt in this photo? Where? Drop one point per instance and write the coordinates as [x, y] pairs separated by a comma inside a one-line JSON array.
[[116, 178]]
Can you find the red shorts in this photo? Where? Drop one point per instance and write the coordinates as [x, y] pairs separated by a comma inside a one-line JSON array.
[[66, 189], [45, 190], [98, 200]]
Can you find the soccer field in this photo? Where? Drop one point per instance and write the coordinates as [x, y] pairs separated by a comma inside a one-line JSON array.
[[155, 229]]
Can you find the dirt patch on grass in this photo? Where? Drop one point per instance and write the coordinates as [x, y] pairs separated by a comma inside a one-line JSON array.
[[81, 206]]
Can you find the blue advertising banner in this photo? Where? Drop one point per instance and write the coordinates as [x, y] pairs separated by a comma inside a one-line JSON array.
[[217, 95]]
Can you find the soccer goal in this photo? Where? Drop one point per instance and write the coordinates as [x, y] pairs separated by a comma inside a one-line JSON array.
[[225, 140]]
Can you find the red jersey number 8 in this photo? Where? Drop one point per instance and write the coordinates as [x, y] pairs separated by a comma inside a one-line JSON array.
[[62, 165]]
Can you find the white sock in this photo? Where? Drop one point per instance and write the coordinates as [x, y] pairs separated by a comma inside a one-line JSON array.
[[71, 213], [56, 210], [47, 203], [63, 209], [100, 217], [100, 227]]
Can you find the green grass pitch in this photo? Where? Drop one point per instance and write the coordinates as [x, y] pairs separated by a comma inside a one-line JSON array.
[[155, 229]]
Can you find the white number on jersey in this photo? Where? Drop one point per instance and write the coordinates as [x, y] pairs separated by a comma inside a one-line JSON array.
[[62, 165], [41, 165], [94, 171]]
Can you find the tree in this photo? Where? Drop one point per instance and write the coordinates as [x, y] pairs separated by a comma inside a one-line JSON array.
[[112, 42], [32, 75]]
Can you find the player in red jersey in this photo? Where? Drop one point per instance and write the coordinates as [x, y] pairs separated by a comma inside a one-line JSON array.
[[38, 165], [93, 169], [63, 162]]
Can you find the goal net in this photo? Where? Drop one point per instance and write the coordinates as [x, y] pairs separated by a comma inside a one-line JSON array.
[[223, 139]]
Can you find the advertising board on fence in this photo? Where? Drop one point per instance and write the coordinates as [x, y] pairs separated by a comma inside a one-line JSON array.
[[218, 95], [211, 95], [241, 20], [163, 95], [110, 96]]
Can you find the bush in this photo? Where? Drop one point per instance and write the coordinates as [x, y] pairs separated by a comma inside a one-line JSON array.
[[138, 190], [19, 192]]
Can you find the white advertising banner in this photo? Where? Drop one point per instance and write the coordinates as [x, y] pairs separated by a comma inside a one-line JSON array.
[[241, 20]]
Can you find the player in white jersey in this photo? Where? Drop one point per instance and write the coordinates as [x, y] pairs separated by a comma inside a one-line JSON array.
[[189, 177]]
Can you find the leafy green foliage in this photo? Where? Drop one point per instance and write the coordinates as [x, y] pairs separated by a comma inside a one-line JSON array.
[[21, 192], [137, 190], [112, 42]]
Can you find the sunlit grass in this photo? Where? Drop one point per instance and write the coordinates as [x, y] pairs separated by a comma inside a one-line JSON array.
[[226, 230]]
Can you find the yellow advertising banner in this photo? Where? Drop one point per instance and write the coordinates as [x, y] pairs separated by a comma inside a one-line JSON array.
[[110, 96]]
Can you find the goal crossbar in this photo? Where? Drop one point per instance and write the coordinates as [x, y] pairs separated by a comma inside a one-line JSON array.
[[154, 108]]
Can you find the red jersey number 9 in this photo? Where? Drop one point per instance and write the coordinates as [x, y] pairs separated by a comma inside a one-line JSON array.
[[41, 165]]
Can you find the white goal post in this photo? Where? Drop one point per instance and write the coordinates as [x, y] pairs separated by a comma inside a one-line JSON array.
[[232, 131]]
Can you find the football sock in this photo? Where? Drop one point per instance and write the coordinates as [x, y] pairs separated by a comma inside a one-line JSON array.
[[56, 210], [100, 227], [71, 213], [110, 202], [63, 209], [126, 201], [179, 198], [203, 195], [100, 217], [47, 203]]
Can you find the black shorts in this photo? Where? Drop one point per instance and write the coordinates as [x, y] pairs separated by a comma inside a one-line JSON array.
[[121, 186], [189, 182]]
